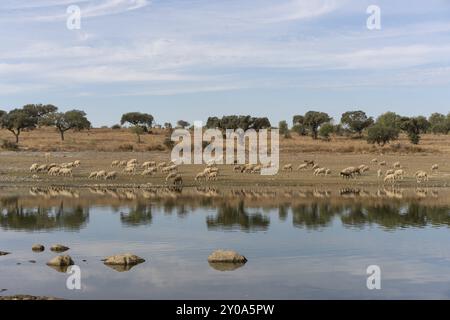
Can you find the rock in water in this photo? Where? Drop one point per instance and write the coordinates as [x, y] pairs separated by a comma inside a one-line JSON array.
[[226, 256], [2, 253], [61, 261], [59, 248], [37, 247], [126, 259]]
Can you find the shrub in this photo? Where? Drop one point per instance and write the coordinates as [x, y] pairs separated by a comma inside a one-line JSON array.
[[381, 135], [9, 145], [126, 147], [116, 127]]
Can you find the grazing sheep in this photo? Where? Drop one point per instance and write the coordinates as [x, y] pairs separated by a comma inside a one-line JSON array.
[[129, 170], [77, 163], [421, 176], [132, 162], [161, 165], [169, 169], [320, 171], [213, 176], [115, 163], [256, 169], [93, 175], [238, 168], [66, 172], [34, 167], [101, 174], [346, 174], [374, 160], [399, 174], [148, 164], [111, 175], [302, 166], [148, 172], [390, 178], [435, 167], [316, 166], [288, 167], [42, 168], [310, 162], [201, 176], [397, 165], [178, 180], [328, 172], [363, 168], [383, 163], [171, 175], [54, 171], [390, 171], [123, 163]]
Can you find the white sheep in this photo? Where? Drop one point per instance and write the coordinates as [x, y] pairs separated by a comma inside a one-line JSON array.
[[93, 175], [302, 167], [171, 175], [389, 178], [397, 165], [149, 171], [200, 176], [213, 176], [111, 175], [34, 167], [288, 167], [101, 174], [66, 172], [115, 163], [132, 162], [435, 167], [77, 163], [383, 163]]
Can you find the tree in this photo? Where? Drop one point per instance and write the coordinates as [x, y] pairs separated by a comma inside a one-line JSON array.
[[183, 124], [356, 121], [238, 122], [284, 130], [168, 125], [389, 119], [414, 127], [381, 135], [326, 130], [314, 119], [439, 123], [18, 120], [140, 121], [64, 121]]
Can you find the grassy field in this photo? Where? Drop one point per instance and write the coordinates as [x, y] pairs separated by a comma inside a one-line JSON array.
[[97, 148]]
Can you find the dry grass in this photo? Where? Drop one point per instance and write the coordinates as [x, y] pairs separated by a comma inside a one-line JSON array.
[[48, 140]]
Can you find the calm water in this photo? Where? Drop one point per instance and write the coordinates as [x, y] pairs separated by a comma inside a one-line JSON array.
[[300, 245]]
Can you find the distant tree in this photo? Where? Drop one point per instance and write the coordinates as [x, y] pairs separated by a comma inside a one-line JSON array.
[[116, 127], [25, 118], [283, 129], [414, 127], [183, 124], [69, 120], [168, 125], [298, 125], [213, 122], [314, 119], [326, 130], [439, 123], [356, 121], [141, 122], [389, 119], [381, 135]]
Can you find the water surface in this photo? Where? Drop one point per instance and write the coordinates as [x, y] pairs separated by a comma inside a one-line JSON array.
[[301, 244]]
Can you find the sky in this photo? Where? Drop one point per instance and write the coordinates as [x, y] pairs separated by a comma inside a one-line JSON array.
[[191, 59]]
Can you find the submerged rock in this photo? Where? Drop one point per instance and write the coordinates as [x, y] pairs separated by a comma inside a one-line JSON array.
[[126, 259], [226, 256], [59, 248], [121, 268], [3, 253], [226, 266], [61, 261], [37, 247]]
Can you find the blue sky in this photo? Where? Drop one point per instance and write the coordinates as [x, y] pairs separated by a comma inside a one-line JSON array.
[[189, 59]]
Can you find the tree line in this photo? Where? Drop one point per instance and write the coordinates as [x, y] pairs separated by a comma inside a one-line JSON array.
[[385, 128], [382, 130]]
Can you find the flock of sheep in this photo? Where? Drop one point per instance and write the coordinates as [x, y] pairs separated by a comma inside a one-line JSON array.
[[390, 176], [211, 172]]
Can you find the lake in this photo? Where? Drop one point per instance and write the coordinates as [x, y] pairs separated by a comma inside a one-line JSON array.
[[300, 243]]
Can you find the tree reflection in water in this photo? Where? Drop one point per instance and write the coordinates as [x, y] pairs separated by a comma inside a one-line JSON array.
[[140, 214], [230, 218]]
